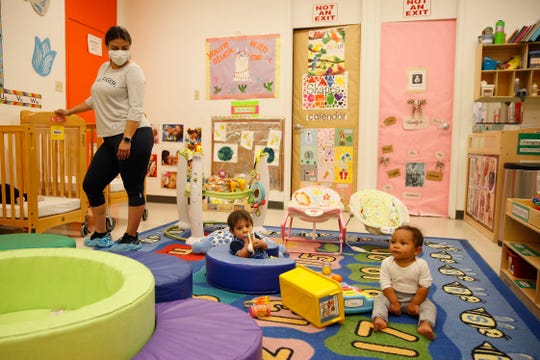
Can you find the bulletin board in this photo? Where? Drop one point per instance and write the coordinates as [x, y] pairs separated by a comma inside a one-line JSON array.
[[236, 142]]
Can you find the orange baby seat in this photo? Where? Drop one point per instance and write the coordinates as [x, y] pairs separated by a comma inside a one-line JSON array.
[[314, 204]]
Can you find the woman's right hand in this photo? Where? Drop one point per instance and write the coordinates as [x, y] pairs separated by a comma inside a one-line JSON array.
[[61, 113]]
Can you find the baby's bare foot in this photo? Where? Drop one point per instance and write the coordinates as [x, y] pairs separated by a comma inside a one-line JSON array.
[[425, 329], [379, 324]]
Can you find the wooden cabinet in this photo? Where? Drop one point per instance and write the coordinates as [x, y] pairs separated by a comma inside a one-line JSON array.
[[520, 259], [487, 154], [504, 79]]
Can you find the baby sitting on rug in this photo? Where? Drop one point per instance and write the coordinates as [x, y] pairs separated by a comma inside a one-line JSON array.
[[405, 281], [225, 236]]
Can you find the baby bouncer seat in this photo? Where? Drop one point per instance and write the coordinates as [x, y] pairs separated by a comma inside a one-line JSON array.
[[380, 212], [314, 204]]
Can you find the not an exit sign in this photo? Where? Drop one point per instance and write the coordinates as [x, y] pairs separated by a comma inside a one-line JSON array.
[[324, 12]]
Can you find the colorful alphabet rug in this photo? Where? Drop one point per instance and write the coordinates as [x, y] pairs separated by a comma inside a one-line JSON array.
[[478, 317]]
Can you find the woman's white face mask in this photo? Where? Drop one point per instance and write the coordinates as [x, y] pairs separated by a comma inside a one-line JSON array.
[[119, 57]]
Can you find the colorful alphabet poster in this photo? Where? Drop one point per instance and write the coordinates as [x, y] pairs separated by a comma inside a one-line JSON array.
[[242, 67]]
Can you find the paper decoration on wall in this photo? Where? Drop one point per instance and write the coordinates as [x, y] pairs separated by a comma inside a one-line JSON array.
[[43, 57], [193, 138], [308, 147], [169, 158], [39, 6], [434, 175], [20, 98], [274, 139], [245, 108], [220, 131], [152, 166], [173, 132], [326, 52], [394, 173], [168, 180], [343, 164], [324, 92], [246, 139], [326, 155], [390, 120], [226, 153], [481, 188], [273, 155], [415, 173], [417, 80], [417, 120], [242, 67], [344, 137]]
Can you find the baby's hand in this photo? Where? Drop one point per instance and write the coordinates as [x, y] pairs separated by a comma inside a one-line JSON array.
[[413, 309], [258, 243], [395, 308]]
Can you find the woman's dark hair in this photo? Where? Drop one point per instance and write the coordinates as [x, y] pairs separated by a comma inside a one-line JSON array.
[[117, 32], [417, 235], [238, 215]]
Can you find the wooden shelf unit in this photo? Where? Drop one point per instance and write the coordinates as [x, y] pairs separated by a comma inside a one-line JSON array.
[[504, 79], [500, 147], [522, 236]]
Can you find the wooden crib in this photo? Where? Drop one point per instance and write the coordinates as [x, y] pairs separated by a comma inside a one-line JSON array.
[[45, 163]]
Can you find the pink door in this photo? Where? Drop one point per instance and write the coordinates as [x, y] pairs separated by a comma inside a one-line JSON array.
[[415, 125]]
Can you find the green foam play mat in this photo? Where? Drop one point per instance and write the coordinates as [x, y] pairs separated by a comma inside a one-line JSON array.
[[29, 241], [66, 303]]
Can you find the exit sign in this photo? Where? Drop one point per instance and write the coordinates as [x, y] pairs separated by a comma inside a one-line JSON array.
[[324, 12]]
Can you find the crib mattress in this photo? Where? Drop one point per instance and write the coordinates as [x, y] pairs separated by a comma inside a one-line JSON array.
[[50, 205]]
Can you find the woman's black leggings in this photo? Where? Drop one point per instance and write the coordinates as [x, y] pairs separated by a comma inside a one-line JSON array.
[[105, 166]]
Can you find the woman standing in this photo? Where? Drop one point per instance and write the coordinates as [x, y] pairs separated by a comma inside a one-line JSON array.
[[117, 98]]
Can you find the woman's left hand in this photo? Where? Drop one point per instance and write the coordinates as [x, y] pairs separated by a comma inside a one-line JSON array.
[[124, 150]]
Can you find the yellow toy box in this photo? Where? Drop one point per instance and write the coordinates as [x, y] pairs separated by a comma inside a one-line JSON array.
[[313, 296]]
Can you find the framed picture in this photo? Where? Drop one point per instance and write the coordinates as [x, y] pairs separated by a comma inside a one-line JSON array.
[[417, 80]]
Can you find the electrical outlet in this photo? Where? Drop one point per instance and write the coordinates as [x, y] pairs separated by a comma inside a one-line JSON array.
[[58, 86]]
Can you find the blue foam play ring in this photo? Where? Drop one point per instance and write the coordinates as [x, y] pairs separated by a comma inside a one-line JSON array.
[[244, 275], [173, 276]]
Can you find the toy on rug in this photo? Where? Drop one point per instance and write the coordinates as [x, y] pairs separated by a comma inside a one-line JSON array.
[[259, 307], [313, 296], [356, 300]]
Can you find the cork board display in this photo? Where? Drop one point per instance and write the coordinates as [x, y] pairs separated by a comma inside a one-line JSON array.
[[236, 142]]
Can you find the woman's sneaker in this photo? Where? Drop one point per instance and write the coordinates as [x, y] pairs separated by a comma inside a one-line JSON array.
[[127, 243], [104, 241]]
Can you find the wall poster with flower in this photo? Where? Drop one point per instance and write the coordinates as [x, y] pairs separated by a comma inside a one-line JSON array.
[[242, 67]]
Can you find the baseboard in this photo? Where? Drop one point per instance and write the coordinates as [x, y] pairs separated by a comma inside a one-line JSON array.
[[161, 199]]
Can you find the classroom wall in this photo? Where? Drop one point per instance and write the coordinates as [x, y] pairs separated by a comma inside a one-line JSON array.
[[169, 43]]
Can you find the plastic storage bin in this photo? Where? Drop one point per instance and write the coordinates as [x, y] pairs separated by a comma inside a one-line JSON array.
[[518, 267], [313, 296]]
